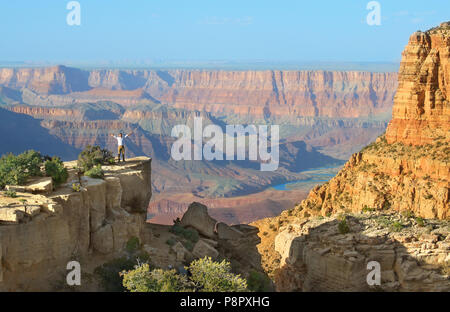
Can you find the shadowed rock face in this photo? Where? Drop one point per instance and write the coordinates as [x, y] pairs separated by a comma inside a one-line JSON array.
[[421, 110], [21, 133]]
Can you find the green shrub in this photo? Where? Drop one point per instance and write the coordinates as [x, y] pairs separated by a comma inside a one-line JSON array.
[[188, 234], [188, 245], [133, 244], [210, 276], [397, 226], [205, 275], [76, 187], [171, 242], [15, 170], [96, 172], [384, 221], [366, 209], [143, 279], [420, 221], [93, 156], [176, 229], [55, 168], [11, 194], [386, 205], [343, 226], [191, 235], [258, 282], [408, 214], [109, 273], [31, 162]]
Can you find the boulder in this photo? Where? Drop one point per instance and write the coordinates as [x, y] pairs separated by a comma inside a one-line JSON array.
[[290, 245], [210, 242], [42, 185], [10, 215], [246, 229], [52, 207], [202, 249], [180, 251], [197, 217], [102, 239], [227, 232]]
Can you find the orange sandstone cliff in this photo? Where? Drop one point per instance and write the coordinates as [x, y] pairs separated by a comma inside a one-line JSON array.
[[421, 112], [326, 242], [407, 169]]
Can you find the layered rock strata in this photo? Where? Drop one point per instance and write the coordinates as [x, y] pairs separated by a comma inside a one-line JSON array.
[[41, 233]]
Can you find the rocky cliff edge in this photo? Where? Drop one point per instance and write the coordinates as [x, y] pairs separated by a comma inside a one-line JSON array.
[[43, 228]]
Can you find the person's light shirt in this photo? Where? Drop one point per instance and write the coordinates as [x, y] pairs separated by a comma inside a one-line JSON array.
[[120, 139]]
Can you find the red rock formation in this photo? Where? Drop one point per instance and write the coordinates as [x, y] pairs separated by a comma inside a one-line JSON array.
[[254, 93], [421, 111], [48, 80], [390, 173], [48, 112], [282, 93]]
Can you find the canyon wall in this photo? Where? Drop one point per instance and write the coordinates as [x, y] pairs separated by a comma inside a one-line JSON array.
[[255, 93], [390, 202], [40, 235], [336, 112], [316, 255], [408, 168]]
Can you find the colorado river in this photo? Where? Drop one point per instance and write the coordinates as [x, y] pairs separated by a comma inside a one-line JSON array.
[[313, 176]]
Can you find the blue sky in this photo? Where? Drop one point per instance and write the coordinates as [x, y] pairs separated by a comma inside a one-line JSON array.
[[204, 30]]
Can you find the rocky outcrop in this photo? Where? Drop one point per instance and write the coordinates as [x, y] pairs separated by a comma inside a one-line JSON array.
[[236, 243], [48, 80], [281, 93], [402, 179], [390, 173], [421, 110], [387, 176], [49, 231], [316, 255], [197, 217]]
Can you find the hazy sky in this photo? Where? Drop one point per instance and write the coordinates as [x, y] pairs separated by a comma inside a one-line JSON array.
[[204, 30]]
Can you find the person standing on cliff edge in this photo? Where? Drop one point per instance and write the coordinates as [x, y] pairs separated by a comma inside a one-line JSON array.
[[120, 145]]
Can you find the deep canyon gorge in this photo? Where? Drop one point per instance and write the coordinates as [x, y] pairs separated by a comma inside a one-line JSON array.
[[323, 116]]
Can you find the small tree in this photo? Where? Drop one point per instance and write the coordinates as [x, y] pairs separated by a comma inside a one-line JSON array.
[[210, 276], [258, 281], [96, 172], [93, 156], [141, 279], [205, 275], [15, 170], [55, 169]]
